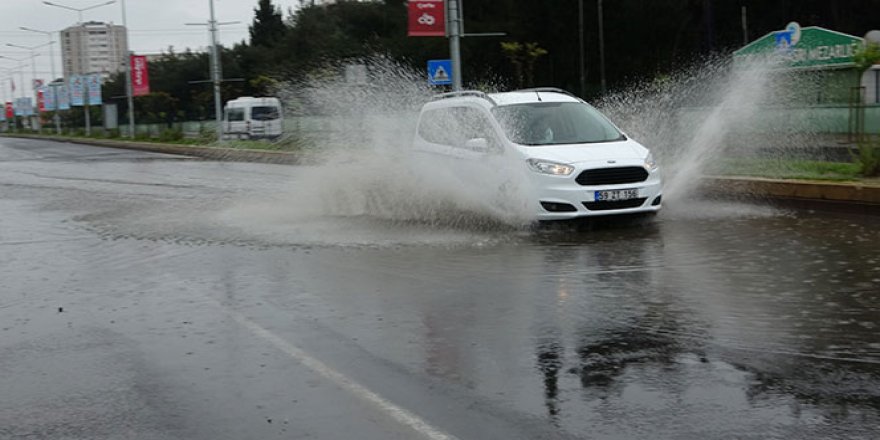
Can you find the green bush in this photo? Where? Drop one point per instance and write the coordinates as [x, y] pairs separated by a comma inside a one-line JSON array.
[[867, 157], [142, 136], [170, 135]]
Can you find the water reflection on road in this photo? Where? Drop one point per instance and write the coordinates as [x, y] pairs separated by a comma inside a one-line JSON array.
[[716, 320]]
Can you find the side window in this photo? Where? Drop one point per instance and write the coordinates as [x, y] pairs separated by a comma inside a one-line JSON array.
[[235, 114], [438, 126], [453, 126], [472, 123]]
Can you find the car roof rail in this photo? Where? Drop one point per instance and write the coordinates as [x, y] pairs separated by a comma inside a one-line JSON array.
[[550, 89], [464, 93]]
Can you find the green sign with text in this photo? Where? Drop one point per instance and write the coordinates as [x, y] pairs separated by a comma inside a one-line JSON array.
[[797, 47]]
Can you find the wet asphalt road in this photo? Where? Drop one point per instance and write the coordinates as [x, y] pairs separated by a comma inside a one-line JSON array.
[[146, 296]]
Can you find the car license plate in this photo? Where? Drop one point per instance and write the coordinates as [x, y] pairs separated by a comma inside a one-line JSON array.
[[616, 194]]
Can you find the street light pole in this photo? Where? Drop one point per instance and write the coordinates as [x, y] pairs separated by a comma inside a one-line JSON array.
[[21, 76], [56, 118], [128, 85], [215, 74], [33, 49], [21, 73], [601, 46], [454, 43], [581, 47], [79, 11]]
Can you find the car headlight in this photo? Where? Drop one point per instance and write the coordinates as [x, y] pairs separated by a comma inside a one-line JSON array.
[[650, 163], [552, 168]]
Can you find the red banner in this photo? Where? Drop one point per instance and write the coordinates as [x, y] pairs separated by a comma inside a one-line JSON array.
[[41, 98], [140, 78], [10, 111], [427, 18]]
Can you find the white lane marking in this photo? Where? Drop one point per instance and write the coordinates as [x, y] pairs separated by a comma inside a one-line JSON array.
[[397, 413]]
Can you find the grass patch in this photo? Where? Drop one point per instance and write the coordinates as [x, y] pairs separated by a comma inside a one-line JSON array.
[[789, 169]]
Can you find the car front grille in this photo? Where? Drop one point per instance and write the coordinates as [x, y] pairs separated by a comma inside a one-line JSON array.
[[612, 176], [617, 204]]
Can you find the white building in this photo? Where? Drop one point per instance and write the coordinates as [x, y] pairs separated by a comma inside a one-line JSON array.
[[93, 47]]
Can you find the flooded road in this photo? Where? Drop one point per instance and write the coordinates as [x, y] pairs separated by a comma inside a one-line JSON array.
[[159, 297]]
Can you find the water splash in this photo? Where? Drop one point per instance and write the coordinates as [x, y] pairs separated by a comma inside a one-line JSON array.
[[367, 165], [362, 133], [712, 110]]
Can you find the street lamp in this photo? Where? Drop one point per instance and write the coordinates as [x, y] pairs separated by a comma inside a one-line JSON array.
[[33, 50], [128, 85], [216, 75], [55, 117], [20, 73], [79, 11]]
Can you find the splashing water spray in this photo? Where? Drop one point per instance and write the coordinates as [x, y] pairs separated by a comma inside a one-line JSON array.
[[362, 133]]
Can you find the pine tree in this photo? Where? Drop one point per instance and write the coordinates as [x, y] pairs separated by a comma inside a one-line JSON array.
[[268, 28]]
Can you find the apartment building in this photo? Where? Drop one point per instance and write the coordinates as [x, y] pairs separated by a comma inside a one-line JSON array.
[[93, 47]]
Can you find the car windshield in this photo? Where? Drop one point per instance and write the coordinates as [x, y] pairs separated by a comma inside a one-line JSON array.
[[555, 123], [265, 113]]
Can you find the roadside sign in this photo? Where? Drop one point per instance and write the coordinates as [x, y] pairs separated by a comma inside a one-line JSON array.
[[63, 97], [427, 18], [439, 72], [41, 98], [93, 88], [77, 90], [797, 47], [49, 97], [140, 77]]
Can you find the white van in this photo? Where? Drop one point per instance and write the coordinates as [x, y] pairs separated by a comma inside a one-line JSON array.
[[576, 162], [253, 118]]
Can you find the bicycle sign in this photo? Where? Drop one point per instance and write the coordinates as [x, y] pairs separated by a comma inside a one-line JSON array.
[[427, 18]]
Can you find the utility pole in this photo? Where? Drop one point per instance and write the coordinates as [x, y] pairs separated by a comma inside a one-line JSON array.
[[601, 46], [455, 31], [745, 26], [583, 80], [55, 117], [128, 86], [216, 74], [454, 44], [33, 50]]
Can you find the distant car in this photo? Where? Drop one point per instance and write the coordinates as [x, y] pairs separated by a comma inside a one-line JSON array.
[[253, 118], [576, 162]]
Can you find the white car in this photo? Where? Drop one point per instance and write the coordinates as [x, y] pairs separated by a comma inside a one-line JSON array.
[[576, 162]]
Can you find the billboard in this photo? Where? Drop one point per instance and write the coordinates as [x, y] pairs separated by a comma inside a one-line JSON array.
[[49, 92], [77, 90], [427, 18], [140, 78], [63, 96], [24, 107], [41, 99], [93, 88]]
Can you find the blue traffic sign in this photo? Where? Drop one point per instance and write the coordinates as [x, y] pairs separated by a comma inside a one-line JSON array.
[[439, 72]]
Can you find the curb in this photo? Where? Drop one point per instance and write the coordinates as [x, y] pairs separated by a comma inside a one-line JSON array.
[[865, 196], [213, 153]]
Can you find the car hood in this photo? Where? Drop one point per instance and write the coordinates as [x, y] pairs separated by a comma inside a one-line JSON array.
[[627, 150]]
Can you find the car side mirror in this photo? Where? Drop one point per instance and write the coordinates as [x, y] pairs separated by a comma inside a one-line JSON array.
[[479, 145]]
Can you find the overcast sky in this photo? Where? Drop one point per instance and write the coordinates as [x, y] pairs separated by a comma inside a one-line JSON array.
[[153, 25]]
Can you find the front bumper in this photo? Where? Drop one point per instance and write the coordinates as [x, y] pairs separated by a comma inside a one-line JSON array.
[[562, 198]]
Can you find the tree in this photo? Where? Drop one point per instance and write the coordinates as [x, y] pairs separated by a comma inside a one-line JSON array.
[[523, 57], [268, 27]]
